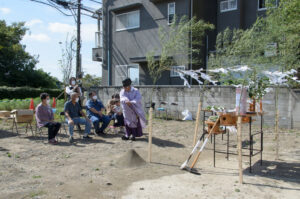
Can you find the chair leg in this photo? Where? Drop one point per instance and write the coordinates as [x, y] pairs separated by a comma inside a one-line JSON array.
[[13, 125], [66, 132], [31, 129], [16, 125], [26, 129], [64, 129], [79, 130]]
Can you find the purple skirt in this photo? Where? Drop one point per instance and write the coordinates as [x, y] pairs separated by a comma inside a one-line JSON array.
[[135, 132]]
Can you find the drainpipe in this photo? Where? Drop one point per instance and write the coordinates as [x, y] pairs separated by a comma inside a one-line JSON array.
[[108, 42], [191, 37], [108, 48]]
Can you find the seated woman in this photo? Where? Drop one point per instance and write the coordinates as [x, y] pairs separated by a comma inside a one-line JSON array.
[[45, 118]]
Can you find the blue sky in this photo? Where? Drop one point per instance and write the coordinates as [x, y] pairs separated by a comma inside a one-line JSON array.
[[48, 27]]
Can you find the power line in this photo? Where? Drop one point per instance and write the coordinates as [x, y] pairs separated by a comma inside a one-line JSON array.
[[53, 6], [96, 1], [73, 7]]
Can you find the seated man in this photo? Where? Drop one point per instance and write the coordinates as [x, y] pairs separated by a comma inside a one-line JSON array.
[[45, 118], [73, 112], [95, 110]]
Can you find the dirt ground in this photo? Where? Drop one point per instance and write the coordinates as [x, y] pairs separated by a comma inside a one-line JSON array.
[[99, 168]]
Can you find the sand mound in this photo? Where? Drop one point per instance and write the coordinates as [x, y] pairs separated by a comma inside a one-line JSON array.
[[131, 159]]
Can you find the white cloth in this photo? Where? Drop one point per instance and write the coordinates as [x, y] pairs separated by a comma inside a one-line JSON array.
[[69, 90]]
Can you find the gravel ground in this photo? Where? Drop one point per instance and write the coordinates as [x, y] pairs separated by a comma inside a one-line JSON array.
[[31, 168]]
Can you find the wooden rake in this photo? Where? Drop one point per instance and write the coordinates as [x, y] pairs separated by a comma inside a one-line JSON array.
[[191, 169]]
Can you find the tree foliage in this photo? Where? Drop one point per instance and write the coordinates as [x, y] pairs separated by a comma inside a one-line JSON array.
[[17, 67], [91, 81], [176, 48], [272, 42]]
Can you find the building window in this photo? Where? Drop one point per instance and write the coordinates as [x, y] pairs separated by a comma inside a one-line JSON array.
[[228, 5], [174, 69], [262, 4], [171, 12], [129, 20], [124, 71]]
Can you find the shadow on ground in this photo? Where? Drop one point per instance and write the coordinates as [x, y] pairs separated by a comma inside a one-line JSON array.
[[64, 141], [162, 143], [288, 172], [7, 134]]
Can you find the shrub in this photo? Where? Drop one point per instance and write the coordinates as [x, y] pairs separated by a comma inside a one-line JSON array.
[[26, 92]]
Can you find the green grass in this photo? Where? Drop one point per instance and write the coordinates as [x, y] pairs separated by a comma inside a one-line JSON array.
[[9, 105], [36, 193], [36, 177]]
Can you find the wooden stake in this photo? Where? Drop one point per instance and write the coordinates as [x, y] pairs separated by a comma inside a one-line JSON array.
[[150, 135], [239, 140], [197, 123], [277, 133]]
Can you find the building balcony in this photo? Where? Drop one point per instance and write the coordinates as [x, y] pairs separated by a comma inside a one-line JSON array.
[[98, 54]]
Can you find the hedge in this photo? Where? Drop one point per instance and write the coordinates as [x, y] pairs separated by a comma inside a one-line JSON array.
[[27, 92]]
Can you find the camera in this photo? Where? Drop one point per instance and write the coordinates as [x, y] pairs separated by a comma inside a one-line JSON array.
[[79, 82]]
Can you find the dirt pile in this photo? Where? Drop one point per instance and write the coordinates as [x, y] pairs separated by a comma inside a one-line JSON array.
[[130, 159]]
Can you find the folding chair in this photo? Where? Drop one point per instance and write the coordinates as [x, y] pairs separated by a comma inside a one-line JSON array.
[[5, 116], [163, 109], [39, 130], [176, 111]]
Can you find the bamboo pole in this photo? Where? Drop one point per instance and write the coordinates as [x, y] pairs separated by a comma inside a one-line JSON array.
[[277, 133], [150, 135], [197, 123], [276, 124], [239, 140]]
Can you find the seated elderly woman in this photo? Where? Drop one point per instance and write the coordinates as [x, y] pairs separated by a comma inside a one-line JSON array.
[[73, 113], [45, 118]]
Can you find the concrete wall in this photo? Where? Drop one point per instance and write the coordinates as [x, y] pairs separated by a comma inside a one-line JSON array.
[[188, 98], [296, 110]]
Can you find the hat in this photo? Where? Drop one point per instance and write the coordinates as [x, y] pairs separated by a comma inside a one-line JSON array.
[[126, 82]]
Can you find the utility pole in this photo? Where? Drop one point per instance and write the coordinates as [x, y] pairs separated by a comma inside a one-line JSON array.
[[78, 57]]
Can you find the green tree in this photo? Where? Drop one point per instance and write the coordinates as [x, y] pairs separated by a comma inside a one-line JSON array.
[[272, 41], [17, 67], [90, 81], [176, 47]]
